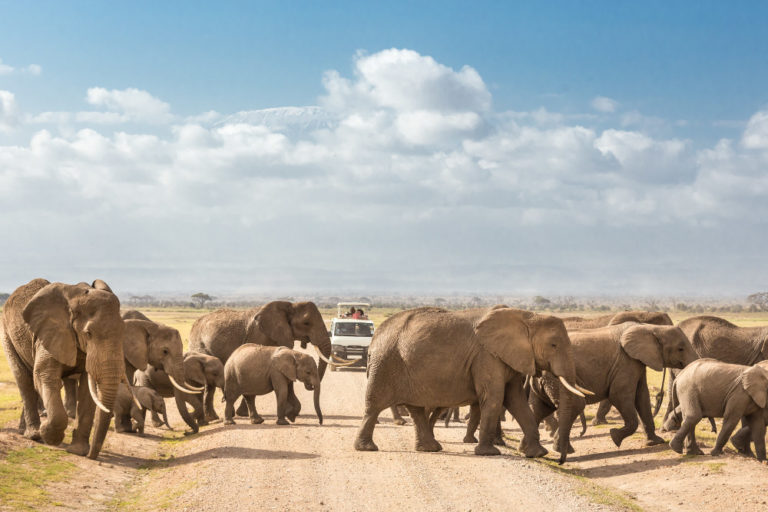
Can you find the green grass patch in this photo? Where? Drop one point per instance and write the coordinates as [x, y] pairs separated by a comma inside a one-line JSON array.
[[24, 474], [10, 404]]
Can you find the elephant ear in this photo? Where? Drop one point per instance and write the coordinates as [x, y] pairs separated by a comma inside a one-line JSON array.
[[273, 321], [755, 382], [101, 285], [194, 371], [639, 342], [285, 363], [136, 343], [504, 333], [50, 320]]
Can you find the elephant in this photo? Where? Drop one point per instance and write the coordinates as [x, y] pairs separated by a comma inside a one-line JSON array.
[[127, 408], [132, 314], [208, 371], [717, 338], [431, 357], [611, 361], [54, 330], [716, 389], [257, 370], [643, 317], [276, 324]]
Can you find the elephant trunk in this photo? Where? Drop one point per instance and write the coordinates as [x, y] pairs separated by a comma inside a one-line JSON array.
[[107, 376], [570, 407], [165, 420], [322, 341], [316, 399]]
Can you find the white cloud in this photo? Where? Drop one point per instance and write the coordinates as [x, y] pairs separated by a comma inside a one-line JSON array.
[[433, 175], [604, 104], [8, 111], [756, 133], [129, 104], [32, 69]]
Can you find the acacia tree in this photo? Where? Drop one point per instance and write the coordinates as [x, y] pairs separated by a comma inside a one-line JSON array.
[[201, 298]]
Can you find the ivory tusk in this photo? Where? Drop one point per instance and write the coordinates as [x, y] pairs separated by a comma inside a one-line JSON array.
[[194, 388], [92, 389], [321, 356], [342, 359], [571, 388], [584, 390], [181, 388], [130, 390]]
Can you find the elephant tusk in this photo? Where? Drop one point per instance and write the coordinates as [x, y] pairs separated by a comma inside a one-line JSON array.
[[342, 359], [130, 389], [92, 389], [199, 389], [321, 356], [571, 388], [181, 388], [584, 390]]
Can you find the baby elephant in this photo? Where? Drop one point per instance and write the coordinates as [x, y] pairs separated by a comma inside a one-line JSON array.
[[256, 370], [126, 409], [708, 387]]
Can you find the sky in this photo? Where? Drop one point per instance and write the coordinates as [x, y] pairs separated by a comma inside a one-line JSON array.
[[572, 148]]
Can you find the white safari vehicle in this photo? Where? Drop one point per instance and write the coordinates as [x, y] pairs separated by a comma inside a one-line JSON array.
[[351, 334]]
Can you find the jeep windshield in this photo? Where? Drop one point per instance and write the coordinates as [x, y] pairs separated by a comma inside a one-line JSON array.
[[361, 329]]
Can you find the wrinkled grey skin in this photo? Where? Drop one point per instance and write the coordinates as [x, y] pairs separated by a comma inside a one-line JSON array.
[[434, 358], [642, 317], [52, 331], [717, 338], [127, 410], [257, 370], [611, 362], [715, 389]]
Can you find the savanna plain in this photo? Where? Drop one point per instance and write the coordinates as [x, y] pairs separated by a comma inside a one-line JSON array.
[[306, 466]]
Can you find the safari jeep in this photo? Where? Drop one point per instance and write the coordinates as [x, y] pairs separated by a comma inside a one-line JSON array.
[[351, 334]]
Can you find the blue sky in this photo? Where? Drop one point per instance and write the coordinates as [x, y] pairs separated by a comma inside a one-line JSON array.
[[531, 148]]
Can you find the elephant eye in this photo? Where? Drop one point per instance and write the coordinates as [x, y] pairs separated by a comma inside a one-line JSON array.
[[165, 351]]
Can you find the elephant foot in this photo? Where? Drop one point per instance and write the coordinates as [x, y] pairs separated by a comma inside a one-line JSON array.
[[670, 425], [616, 436], [716, 452], [242, 410], [291, 417], [532, 449], [258, 420], [400, 421], [157, 424], [366, 445], [694, 450], [469, 438], [229, 421], [190, 432], [211, 417], [33, 434], [51, 435], [598, 421], [676, 444], [653, 441], [282, 421], [498, 441], [79, 448], [487, 449], [430, 445]]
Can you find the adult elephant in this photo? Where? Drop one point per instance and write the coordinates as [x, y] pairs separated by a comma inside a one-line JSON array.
[[717, 338], [431, 357], [611, 362], [277, 323], [54, 330], [642, 317]]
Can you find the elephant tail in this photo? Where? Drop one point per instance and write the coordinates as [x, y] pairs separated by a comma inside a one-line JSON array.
[[583, 423]]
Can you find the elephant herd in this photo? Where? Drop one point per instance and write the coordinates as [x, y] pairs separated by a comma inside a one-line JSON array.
[[537, 367]]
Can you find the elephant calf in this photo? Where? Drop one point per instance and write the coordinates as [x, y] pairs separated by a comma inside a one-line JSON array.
[[126, 409], [715, 389], [256, 370]]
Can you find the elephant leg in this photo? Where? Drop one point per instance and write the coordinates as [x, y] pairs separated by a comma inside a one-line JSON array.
[[551, 424], [70, 397], [181, 405], [757, 426], [602, 411], [86, 409], [498, 438], [741, 439], [242, 409], [516, 403], [691, 418], [294, 405], [425, 441], [210, 412], [364, 438], [473, 421], [623, 400], [399, 420], [156, 421], [433, 416], [671, 421], [643, 406], [490, 410], [730, 420], [692, 447], [281, 393], [197, 405], [48, 383], [229, 410], [253, 414], [30, 426]]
